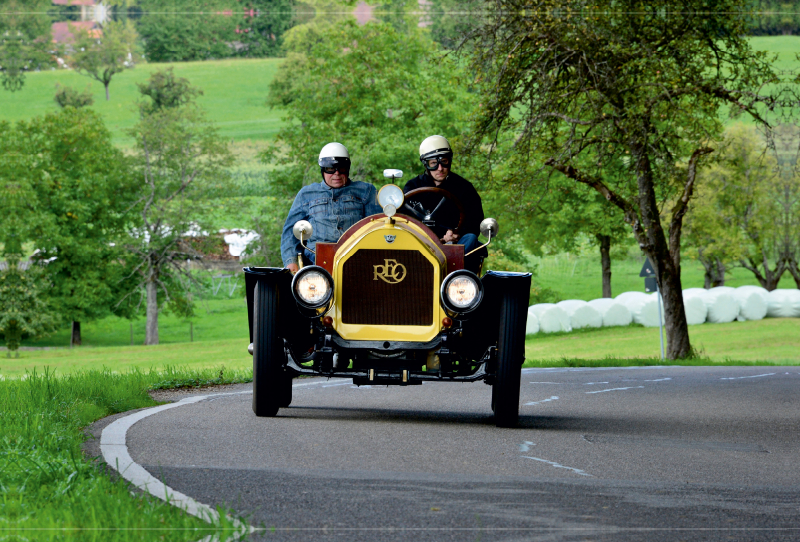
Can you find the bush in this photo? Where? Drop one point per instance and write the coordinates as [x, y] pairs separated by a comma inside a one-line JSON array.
[[68, 96]]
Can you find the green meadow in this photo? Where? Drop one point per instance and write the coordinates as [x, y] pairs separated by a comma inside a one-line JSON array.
[[235, 92], [234, 96]]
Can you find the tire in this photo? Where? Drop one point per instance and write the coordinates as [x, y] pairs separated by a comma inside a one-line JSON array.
[[286, 391], [269, 379], [510, 355]]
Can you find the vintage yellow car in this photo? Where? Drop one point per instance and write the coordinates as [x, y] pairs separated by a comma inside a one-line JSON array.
[[388, 304]]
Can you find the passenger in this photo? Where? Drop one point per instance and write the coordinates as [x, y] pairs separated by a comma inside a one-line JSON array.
[[437, 157], [331, 206]]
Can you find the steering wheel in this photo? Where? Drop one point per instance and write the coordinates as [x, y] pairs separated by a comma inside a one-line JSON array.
[[415, 195]]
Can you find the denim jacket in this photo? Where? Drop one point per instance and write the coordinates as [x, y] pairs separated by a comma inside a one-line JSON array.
[[330, 210]]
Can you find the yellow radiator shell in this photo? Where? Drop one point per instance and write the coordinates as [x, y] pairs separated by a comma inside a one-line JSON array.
[[410, 237]]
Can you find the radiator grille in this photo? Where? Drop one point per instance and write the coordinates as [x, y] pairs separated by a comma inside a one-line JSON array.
[[376, 291]]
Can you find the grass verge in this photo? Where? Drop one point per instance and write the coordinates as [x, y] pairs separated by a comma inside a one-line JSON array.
[[772, 341], [48, 491]]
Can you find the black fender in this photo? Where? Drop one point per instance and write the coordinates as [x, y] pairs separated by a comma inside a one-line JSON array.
[[480, 327], [281, 278]]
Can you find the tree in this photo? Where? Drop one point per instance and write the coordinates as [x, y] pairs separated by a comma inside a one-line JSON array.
[[260, 31], [25, 40], [736, 217], [639, 87], [83, 191], [166, 92], [369, 88], [576, 212], [179, 157], [69, 97], [23, 309], [101, 58], [189, 33]]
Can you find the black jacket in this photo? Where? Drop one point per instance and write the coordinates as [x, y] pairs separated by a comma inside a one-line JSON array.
[[447, 215]]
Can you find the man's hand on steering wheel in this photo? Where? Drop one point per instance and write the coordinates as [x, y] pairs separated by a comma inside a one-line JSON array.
[[452, 233], [450, 237]]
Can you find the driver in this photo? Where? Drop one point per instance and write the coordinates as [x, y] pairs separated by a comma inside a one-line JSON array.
[[437, 157], [331, 206]]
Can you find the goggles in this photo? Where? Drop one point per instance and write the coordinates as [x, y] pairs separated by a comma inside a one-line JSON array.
[[341, 168], [331, 165], [433, 163]]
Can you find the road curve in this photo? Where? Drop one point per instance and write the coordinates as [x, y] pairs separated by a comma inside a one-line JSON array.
[[663, 453]]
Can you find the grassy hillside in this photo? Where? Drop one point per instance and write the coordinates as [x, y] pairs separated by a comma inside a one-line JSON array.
[[235, 92]]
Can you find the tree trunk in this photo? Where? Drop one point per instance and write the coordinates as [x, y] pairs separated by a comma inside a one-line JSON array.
[[75, 337], [151, 325], [106, 85], [605, 262], [794, 270], [714, 273], [664, 256]]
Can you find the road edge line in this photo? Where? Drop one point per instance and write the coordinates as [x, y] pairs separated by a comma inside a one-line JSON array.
[[114, 449]]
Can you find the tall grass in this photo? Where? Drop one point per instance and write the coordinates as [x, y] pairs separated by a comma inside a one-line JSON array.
[[48, 491]]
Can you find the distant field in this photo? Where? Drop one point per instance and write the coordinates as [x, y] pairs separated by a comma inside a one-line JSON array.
[[235, 93]]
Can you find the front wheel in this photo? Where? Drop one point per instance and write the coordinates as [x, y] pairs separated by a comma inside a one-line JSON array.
[[510, 355], [269, 379]]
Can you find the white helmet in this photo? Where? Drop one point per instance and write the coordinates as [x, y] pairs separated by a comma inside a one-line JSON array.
[[334, 155], [433, 146]]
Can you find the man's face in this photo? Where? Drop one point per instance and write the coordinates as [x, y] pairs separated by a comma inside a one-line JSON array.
[[439, 174], [335, 179]]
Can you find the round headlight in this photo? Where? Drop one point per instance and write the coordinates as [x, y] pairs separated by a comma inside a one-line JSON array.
[[390, 195], [312, 287], [462, 292]]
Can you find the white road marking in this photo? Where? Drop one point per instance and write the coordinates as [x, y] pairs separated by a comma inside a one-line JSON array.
[[740, 377], [525, 446], [553, 398], [592, 383], [115, 453], [339, 384], [558, 465], [615, 389], [560, 382], [658, 380]]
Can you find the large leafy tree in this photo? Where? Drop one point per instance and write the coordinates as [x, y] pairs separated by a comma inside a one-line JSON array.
[[739, 216], [83, 191], [376, 91], [25, 41], [102, 57], [179, 157], [24, 310], [634, 84]]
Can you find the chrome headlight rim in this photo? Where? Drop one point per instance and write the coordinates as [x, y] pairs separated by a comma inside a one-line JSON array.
[[300, 274], [445, 300]]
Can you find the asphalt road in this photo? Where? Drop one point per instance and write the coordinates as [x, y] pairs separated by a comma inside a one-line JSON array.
[[667, 453]]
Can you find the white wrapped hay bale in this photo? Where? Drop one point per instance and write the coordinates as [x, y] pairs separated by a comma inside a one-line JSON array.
[[643, 307], [722, 307], [532, 325], [581, 314], [613, 312], [753, 301], [552, 318], [784, 304], [694, 306]]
